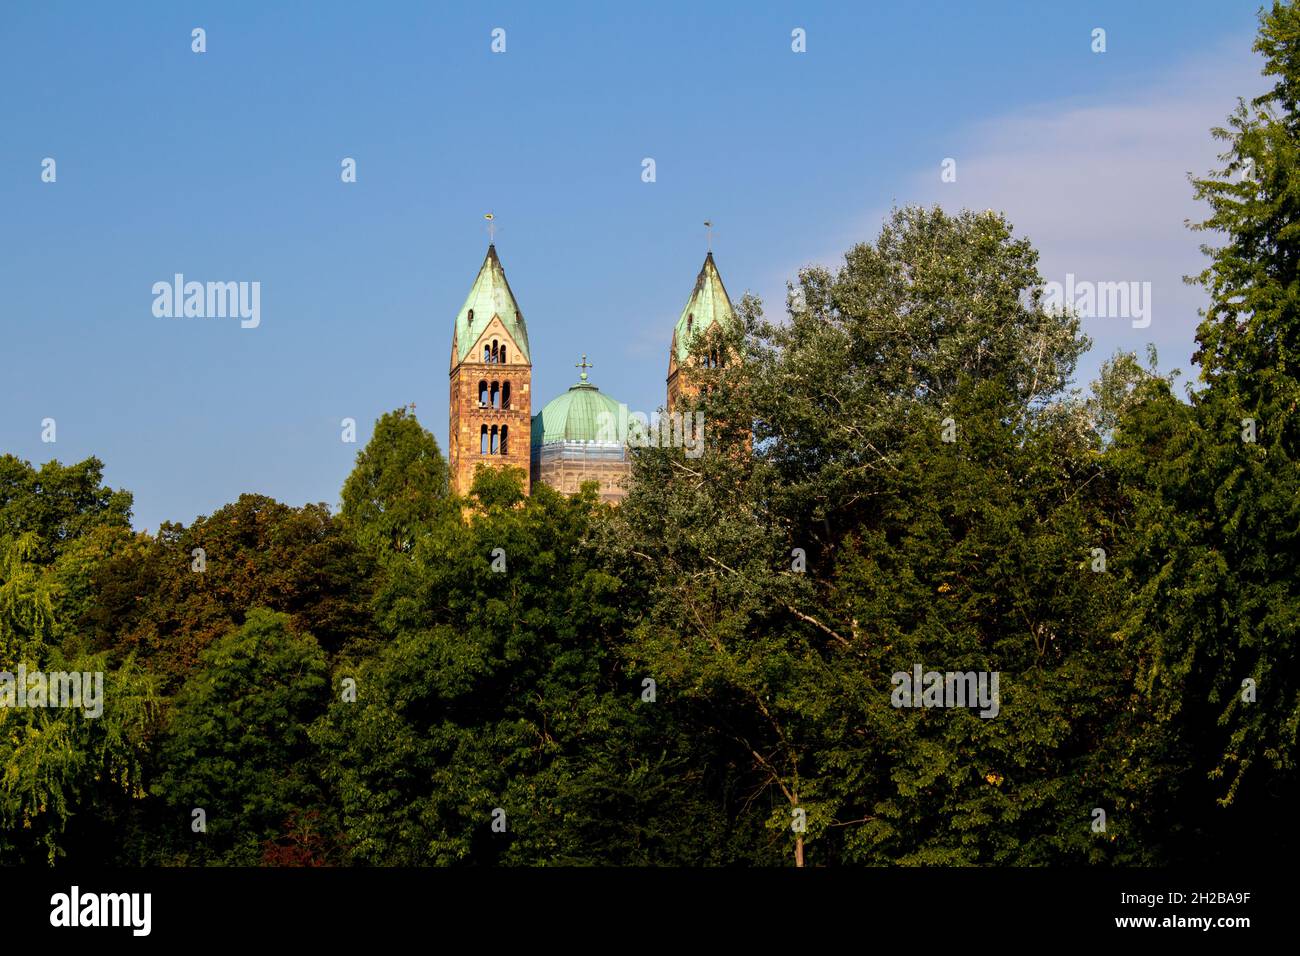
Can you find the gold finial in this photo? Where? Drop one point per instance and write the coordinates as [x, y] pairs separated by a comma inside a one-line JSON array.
[[492, 227], [584, 365]]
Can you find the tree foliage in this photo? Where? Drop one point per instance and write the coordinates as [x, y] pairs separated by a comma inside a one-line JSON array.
[[236, 740], [256, 552], [899, 473], [397, 487]]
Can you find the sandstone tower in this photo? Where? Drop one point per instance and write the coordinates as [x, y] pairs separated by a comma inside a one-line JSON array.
[[491, 381], [708, 305]]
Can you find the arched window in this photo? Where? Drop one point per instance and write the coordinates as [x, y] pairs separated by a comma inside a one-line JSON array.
[[505, 394], [496, 354], [690, 323], [487, 355], [495, 439], [482, 394], [483, 440], [503, 355], [505, 433], [496, 394]]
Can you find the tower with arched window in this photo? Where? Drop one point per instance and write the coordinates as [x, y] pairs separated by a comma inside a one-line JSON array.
[[708, 307], [491, 380]]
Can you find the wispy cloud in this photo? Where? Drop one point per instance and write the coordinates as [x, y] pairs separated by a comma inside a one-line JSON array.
[[1101, 188]]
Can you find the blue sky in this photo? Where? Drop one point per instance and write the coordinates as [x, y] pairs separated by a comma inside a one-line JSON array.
[[226, 166]]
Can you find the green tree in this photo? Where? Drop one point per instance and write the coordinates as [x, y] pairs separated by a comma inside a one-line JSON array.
[[398, 487], [67, 771], [236, 742], [57, 503], [1215, 559], [499, 689], [256, 552], [790, 584]]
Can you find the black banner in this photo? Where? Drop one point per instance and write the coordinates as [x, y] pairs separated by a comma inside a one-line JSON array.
[[563, 905]]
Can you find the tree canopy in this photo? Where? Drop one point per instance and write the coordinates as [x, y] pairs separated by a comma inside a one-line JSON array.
[[900, 477]]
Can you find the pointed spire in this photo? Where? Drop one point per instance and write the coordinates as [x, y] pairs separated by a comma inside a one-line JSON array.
[[708, 304], [490, 296]]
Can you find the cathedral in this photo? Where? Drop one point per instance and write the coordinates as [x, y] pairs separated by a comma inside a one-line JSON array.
[[567, 442]]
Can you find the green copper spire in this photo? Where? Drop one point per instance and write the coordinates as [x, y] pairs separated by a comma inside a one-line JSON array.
[[490, 296], [709, 303]]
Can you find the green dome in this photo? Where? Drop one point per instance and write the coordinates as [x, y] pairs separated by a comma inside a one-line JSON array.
[[580, 414]]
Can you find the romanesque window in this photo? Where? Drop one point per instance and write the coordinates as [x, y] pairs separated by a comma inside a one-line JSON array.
[[505, 433], [496, 395], [503, 355], [487, 355], [483, 440], [482, 394], [495, 440], [505, 394]]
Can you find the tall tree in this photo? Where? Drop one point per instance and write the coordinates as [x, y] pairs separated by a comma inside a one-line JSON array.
[[1215, 566], [173, 595], [68, 770], [57, 503], [236, 743], [920, 492], [495, 725], [398, 487]]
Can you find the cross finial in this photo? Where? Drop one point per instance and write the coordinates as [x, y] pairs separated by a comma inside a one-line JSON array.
[[584, 365], [708, 225], [412, 407], [492, 227]]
